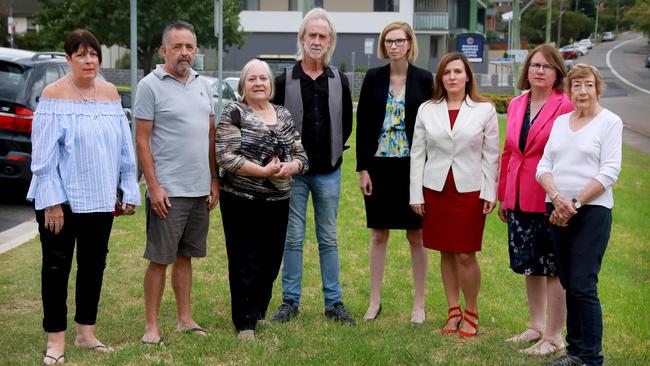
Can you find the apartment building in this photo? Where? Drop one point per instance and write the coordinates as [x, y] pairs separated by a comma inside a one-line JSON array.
[[271, 27]]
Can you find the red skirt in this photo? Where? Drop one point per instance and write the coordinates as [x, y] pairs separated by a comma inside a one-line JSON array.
[[453, 221]]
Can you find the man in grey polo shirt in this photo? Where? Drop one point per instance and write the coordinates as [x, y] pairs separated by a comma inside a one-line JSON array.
[[176, 147]]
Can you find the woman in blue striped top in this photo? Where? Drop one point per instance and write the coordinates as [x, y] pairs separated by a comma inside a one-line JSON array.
[[82, 155]]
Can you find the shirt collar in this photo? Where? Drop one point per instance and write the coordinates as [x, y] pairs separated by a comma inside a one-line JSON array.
[[161, 73], [298, 71]]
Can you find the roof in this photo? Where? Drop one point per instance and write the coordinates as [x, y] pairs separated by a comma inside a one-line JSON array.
[[26, 8], [14, 55]]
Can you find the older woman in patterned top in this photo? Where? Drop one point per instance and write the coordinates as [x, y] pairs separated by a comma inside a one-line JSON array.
[[259, 151]]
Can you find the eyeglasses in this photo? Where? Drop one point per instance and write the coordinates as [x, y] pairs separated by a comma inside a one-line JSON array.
[[544, 67], [398, 42]]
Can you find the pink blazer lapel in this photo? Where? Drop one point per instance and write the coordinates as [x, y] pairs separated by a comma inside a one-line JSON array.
[[518, 116], [545, 117]]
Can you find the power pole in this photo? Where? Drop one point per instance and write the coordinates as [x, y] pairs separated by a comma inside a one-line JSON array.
[[549, 8], [473, 16], [218, 32], [515, 25], [134, 65], [559, 25], [617, 8], [596, 26]]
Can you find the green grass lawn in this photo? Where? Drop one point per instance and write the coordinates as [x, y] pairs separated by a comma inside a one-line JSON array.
[[313, 340]]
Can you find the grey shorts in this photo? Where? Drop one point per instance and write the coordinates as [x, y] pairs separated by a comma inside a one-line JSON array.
[[182, 233]]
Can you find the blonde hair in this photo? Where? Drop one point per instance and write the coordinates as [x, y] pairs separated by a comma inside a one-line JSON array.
[[581, 70], [313, 14], [410, 35], [244, 73]]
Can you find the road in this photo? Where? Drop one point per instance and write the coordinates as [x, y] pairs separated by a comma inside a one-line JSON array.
[[13, 213], [630, 102]]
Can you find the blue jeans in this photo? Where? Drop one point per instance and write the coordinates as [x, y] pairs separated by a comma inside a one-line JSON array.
[[579, 249], [325, 189]]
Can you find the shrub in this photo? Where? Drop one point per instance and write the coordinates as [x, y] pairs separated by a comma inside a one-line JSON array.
[[500, 101]]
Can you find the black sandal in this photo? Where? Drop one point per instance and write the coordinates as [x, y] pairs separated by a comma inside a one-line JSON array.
[[56, 359]]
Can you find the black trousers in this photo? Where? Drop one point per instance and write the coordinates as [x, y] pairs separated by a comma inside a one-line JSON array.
[[255, 231], [90, 231], [579, 250]]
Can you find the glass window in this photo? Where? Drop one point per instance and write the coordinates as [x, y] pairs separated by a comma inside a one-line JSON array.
[[251, 5], [52, 74], [386, 5], [11, 78]]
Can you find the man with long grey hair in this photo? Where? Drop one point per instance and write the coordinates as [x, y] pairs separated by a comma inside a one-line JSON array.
[[318, 97]]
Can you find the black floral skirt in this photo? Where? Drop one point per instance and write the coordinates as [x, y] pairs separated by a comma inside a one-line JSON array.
[[529, 244]]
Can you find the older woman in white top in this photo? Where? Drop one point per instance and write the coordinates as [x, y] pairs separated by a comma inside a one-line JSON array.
[[581, 162]]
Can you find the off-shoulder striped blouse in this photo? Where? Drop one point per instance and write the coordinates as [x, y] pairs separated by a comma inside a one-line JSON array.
[[81, 153]]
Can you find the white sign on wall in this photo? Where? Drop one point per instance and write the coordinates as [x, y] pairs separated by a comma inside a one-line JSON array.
[[369, 46]]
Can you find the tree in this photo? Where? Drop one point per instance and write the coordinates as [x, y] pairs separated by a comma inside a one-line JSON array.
[[639, 16], [109, 21], [574, 25]]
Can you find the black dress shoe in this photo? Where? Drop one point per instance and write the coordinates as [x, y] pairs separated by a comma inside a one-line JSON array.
[[339, 314], [566, 360]]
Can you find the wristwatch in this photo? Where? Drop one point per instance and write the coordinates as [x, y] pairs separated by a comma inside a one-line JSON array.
[[577, 204]]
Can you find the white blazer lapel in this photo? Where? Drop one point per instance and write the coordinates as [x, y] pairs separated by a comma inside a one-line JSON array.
[[443, 114], [463, 115]]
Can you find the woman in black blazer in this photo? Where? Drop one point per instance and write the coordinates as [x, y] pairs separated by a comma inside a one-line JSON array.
[[389, 101]]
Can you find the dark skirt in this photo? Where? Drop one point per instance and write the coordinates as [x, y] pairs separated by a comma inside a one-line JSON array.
[[453, 221], [388, 206], [529, 244]]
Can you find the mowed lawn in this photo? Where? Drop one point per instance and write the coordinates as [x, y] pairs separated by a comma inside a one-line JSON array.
[[313, 340]]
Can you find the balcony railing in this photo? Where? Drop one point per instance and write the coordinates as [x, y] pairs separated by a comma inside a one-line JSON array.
[[431, 21]]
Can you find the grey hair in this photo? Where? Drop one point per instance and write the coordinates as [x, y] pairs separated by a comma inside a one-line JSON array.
[[316, 13], [177, 24], [244, 73]]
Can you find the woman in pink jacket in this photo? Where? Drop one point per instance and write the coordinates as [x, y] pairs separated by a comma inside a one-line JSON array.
[[521, 198]]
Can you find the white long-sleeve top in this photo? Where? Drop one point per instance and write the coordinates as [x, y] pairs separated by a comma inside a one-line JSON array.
[[592, 152]]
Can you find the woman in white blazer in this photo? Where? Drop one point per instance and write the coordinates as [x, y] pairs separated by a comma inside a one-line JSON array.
[[453, 184]]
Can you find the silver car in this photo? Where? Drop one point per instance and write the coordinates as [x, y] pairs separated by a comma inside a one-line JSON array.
[[226, 93]]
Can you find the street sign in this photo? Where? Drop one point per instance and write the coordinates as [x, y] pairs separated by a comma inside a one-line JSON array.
[[501, 60], [10, 25], [518, 55], [471, 45], [369, 46]]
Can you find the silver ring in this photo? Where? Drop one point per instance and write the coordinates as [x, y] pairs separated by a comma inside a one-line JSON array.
[[154, 209]]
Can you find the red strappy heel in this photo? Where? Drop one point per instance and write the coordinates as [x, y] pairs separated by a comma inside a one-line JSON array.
[[463, 334], [452, 316]]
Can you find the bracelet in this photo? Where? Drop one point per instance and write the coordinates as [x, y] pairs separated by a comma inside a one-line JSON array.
[[555, 195], [215, 177]]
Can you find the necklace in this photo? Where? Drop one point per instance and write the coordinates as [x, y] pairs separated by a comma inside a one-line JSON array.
[[94, 98]]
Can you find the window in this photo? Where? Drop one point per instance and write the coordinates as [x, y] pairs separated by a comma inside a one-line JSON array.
[[386, 5], [251, 5], [51, 74]]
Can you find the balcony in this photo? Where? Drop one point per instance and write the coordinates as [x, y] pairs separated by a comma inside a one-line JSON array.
[[431, 21]]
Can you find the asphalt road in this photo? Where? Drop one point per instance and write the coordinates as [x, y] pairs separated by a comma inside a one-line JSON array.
[[628, 84], [13, 213]]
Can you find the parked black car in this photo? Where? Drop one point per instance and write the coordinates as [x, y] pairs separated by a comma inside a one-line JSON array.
[[23, 76]]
